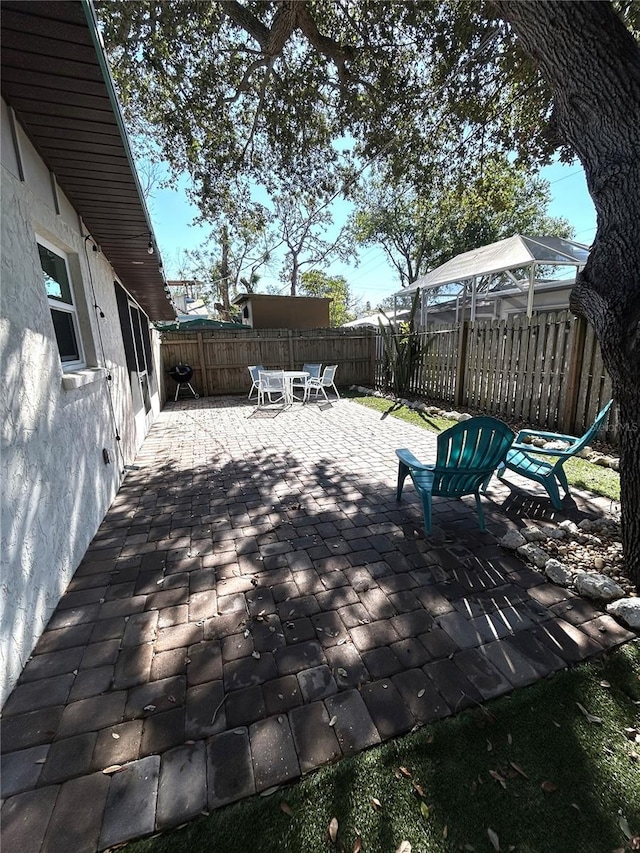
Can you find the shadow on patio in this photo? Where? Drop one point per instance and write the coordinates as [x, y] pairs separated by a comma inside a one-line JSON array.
[[256, 604]]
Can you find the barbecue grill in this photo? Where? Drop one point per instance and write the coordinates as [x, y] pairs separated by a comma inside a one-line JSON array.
[[181, 375]]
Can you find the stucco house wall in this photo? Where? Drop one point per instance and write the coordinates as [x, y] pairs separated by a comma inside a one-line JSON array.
[[60, 462]]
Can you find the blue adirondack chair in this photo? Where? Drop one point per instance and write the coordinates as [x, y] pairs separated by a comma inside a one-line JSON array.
[[549, 474], [467, 455]]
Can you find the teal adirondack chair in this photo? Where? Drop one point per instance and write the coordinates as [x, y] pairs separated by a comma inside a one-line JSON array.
[[549, 474], [467, 455]]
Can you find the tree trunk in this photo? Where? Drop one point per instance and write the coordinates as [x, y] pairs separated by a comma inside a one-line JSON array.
[[592, 64], [294, 276], [225, 277]]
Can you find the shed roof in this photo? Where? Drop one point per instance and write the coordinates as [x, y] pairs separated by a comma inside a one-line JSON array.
[[245, 297], [508, 254], [56, 79]]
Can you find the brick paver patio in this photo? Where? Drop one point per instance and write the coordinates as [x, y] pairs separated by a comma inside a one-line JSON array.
[[253, 582]]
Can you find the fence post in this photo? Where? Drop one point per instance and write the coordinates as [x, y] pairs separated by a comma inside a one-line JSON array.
[[203, 366], [461, 361], [290, 337], [372, 360], [574, 372]]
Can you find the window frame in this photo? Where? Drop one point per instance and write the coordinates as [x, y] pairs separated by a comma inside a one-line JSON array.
[[63, 307]]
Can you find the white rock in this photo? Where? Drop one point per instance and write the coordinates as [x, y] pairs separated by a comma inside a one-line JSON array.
[[598, 563], [628, 610], [513, 539], [533, 554], [452, 416], [598, 587], [586, 452], [558, 572], [465, 416], [534, 534], [556, 445], [614, 465], [433, 410], [569, 526], [604, 461]]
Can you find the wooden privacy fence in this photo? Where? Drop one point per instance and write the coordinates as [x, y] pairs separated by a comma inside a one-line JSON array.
[[547, 372], [220, 357]]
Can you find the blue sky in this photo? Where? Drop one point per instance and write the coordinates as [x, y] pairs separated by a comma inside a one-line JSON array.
[[372, 279]]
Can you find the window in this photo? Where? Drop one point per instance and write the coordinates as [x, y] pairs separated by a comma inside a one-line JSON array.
[[57, 282]]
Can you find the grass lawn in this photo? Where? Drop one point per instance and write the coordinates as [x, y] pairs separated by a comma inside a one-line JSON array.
[[580, 473], [528, 773]]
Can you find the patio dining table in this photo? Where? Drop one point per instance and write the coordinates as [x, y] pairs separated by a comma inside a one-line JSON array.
[[289, 377]]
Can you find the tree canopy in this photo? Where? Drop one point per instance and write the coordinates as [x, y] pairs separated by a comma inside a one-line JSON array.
[[301, 93], [419, 230]]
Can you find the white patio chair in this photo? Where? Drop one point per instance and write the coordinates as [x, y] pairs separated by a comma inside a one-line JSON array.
[[254, 370], [317, 385], [272, 383], [314, 373]]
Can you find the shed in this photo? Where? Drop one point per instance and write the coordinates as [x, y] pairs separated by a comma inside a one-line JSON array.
[[267, 311]]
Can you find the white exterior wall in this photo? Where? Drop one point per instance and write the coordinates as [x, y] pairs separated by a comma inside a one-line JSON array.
[[56, 487]]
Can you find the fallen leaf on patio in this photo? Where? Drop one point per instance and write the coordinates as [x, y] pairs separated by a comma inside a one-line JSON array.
[[255, 655], [341, 641], [171, 699], [418, 789], [624, 826], [247, 633], [40, 761], [333, 721], [286, 808], [333, 829], [149, 708], [495, 775], [342, 672], [590, 717], [113, 768], [375, 802], [357, 845], [421, 693], [604, 684], [268, 791], [518, 769], [403, 847], [405, 772], [549, 787], [489, 745], [493, 838], [424, 809], [115, 736], [634, 843]]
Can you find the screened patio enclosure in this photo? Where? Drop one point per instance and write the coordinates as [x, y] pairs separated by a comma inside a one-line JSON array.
[[515, 263]]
